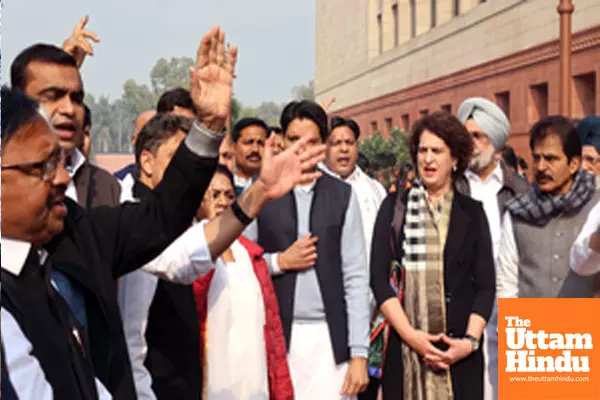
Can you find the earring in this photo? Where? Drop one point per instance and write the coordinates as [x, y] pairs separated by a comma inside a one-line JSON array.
[[454, 168]]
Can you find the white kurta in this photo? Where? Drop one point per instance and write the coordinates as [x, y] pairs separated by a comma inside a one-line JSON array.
[[236, 358]]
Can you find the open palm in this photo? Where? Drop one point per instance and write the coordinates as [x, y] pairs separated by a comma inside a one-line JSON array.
[[211, 80], [296, 165]]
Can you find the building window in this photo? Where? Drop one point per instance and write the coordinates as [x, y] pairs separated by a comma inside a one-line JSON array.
[[585, 91], [447, 108], [433, 9], [503, 101], [388, 125], [374, 128], [456, 8], [538, 105], [406, 122], [423, 113], [396, 24], [413, 19]]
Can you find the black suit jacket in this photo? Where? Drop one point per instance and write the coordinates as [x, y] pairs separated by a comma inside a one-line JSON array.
[[96, 187], [97, 247], [469, 281]]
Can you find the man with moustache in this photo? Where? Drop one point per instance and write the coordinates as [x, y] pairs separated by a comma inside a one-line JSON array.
[[79, 340], [248, 138], [540, 226], [51, 76], [492, 182]]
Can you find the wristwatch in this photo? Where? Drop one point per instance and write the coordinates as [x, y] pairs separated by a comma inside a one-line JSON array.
[[474, 341]]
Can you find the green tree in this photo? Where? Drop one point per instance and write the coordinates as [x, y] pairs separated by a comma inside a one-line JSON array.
[[269, 111], [167, 75], [304, 92]]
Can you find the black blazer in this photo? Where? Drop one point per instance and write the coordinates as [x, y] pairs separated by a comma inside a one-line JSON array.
[[469, 278], [96, 187], [97, 247]]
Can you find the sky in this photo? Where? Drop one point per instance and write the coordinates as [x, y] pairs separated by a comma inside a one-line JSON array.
[[276, 39]]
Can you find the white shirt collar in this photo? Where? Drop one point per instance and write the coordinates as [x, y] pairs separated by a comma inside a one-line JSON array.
[[77, 160], [14, 254], [355, 175], [497, 175], [241, 181]]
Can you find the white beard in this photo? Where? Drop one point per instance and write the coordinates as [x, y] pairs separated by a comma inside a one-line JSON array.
[[482, 160]]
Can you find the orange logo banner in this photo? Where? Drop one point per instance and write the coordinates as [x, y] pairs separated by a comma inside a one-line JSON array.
[[549, 349]]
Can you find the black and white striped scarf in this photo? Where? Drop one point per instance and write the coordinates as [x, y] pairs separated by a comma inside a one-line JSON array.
[[537, 207]]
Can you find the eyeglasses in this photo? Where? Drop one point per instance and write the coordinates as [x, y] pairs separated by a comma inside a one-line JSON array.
[[47, 168]]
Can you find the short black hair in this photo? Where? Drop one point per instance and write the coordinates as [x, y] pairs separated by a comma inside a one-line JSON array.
[[510, 157], [157, 131], [522, 163], [17, 110], [178, 97], [560, 126], [87, 116], [275, 129], [448, 128], [305, 109], [41, 52], [338, 121], [243, 123], [221, 169]]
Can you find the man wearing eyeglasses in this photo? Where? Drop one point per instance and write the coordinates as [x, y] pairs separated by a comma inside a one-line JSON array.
[[71, 345]]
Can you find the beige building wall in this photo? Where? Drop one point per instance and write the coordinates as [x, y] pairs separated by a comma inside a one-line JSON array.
[[349, 67]]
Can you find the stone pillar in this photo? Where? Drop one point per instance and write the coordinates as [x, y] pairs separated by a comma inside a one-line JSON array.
[[423, 16]]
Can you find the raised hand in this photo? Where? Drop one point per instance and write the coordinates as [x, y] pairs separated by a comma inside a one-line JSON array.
[[327, 103], [78, 44], [211, 80], [296, 165]]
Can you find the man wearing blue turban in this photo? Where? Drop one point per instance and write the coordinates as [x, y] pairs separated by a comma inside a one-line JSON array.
[[589, 133]]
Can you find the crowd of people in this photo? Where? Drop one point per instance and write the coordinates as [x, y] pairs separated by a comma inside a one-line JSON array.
[[263, 262]]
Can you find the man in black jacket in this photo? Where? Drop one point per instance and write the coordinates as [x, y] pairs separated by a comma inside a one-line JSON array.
[[85, 358]]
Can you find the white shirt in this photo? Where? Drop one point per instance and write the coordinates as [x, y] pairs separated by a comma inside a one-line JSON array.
[[77, 160], [486, 192], [507, 264], [127, 188], [585, 261], [236, 357], [239, 181], [24, 370], [370, 194]]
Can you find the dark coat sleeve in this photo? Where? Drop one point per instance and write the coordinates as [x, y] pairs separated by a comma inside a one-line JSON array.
[[484, 271], [381, 253], [132, 234]]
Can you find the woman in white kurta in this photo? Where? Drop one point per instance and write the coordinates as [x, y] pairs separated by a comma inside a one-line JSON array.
[[241, 345]]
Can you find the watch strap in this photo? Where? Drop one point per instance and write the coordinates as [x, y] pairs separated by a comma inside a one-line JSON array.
[[240, 214]]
